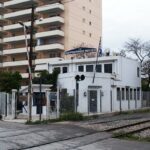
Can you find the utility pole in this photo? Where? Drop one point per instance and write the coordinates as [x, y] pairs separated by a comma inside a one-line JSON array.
[[30, 60]]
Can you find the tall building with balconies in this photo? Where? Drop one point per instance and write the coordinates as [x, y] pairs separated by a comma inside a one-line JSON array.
[[59, 25]]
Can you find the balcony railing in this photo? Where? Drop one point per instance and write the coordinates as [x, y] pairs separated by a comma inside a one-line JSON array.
[[19, 3], [53, 33], [47, 47], [15, 63], [47, 21], [51, 8]]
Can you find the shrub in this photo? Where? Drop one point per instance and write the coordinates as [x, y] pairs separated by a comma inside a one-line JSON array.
[[71, 116]]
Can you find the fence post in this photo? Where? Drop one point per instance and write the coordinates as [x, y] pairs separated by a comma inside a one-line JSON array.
[[48, 107], [14, 103], [58, 103], [7, 100]]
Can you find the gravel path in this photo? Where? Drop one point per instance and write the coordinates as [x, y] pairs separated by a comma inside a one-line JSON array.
[[110, 125], [143, 134]]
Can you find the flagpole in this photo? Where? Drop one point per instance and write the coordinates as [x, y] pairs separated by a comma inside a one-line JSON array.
[[99, 52]]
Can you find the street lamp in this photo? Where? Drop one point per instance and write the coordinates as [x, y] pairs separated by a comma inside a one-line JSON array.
[[30, 72]]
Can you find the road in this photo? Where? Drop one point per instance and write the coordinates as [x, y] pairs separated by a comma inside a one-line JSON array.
[[61, 136]]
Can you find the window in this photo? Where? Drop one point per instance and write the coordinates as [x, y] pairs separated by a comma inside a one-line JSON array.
[[90, 23], [90, 34], [64, 70], [90, 11], [83, 20], [89, 68], [83, 32], [83, 7], [108, 68], [81, 68], [52, 55], [134, 94], [123, 95], [13, 59], [127, 93], [138, 93], [138, 72], [118, 94], [131, 93], [99, 68]]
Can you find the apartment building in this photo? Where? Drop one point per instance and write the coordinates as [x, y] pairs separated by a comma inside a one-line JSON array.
[[59, 25]]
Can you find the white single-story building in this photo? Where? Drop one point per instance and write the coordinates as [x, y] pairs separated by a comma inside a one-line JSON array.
[[116, 86]]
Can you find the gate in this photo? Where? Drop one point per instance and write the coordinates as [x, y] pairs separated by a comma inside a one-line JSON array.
[[8, 104], [3, 104]]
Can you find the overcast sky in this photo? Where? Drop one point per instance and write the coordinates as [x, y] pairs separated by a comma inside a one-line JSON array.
[[124, 19]]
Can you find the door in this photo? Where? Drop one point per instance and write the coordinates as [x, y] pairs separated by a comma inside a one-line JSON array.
[[38, 103], [93, 101]]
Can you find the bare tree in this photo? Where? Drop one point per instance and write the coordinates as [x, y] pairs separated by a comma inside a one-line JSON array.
[[140, 49]]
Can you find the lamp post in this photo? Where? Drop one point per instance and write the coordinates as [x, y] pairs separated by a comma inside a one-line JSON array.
[[30, 89]]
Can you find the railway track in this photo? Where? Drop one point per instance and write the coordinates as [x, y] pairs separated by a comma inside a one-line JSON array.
[[129, 129], [126, 126]]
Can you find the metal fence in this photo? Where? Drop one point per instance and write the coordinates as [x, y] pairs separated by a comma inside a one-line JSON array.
[[67, 102], [146, 99]]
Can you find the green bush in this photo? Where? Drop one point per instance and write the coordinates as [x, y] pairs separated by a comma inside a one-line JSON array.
[[71, 116]]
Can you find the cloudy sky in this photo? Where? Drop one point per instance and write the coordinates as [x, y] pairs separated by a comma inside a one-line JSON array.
[[124, 19]]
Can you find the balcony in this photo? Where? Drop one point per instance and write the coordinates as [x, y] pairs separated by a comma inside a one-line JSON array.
[[19, 3], [37, 48], [18, 14], [53, 33], [47, 60], [49, 47], [47, 21], [51, 21], [51, 8], [15, 39], [15, 63], [14, 51]]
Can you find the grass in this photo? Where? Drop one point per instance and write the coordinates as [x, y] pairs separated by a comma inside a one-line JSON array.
[[135, 138], [70, 116], [147, 110]]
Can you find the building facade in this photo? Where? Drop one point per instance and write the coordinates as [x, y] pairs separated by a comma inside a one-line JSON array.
[[117, 84], [59, 25]]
